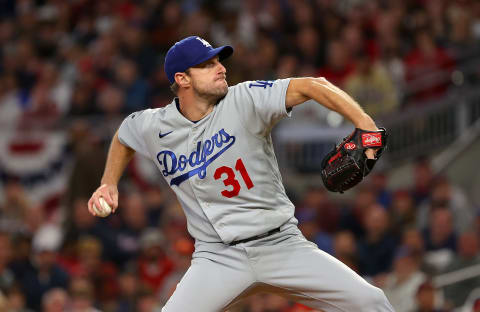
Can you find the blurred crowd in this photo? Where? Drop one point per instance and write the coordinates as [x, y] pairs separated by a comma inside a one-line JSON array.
[[82, 57], [404, 241], [82, 63]]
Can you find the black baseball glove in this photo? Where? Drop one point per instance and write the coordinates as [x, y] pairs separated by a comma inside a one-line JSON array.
[[347, 164]]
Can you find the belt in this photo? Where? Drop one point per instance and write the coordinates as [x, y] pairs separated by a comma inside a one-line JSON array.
[[255, 237]]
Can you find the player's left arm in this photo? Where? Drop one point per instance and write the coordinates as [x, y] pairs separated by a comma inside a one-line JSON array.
[[330, 96], [322, 91]]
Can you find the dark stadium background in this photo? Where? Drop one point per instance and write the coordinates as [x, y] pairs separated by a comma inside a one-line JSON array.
[[71, 70]]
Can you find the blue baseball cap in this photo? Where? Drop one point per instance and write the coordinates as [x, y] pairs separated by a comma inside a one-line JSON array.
[[189, 52]]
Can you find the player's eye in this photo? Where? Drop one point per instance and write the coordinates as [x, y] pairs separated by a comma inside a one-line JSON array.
[[208, 64], [204, 65]]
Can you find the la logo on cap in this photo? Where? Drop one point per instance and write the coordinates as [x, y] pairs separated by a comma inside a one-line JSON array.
[[204, 42]]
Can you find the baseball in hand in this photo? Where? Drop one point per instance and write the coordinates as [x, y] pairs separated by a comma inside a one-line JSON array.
[[104, 210]]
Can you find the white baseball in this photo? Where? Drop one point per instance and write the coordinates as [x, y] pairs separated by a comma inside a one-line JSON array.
[[104, 210]]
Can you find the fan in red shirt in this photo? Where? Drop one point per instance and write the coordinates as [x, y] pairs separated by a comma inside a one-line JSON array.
[[338, 66], [153, 265], [428, 68]]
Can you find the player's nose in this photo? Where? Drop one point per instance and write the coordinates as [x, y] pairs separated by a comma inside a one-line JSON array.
[[221, 68]]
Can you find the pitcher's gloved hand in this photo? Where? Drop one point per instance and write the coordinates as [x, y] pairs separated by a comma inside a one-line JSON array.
[[348, 164]]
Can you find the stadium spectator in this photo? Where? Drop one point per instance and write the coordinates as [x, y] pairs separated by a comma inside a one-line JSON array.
[[81, 292], [82, 224], [155, 201], [412, 239], [7, 278], [181, 254], [147, 302], [345, 249], [461, 42], [15, 208], [3, 302], [427, 298], [42, 273], [388, 27], [353, 214], [468, 255], [16, 300], [402, 283], [135, 88], [153, 265], [376, 249], [370, 85], [317, 205], [87, 155], [440, 239], [339, 65], [134, 221], [444, 194], [103, 274], [112, 101], [423, 179], [55, 300], [309, 48], [378, 181], [427, 58], [129, 285], [402, 212]]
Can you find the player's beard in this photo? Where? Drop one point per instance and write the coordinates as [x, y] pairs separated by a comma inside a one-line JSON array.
[[212, 93]]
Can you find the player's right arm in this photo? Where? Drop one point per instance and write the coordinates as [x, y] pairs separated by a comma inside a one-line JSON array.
[[119, 155]]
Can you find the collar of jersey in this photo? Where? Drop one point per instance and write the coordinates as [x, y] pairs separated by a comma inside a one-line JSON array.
[[176, 105]]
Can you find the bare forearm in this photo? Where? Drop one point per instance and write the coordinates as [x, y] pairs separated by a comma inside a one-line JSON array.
[[332, 97], [118, 157], [337, 100]]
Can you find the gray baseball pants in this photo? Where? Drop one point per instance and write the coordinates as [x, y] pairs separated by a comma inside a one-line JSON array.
[[284, 263]]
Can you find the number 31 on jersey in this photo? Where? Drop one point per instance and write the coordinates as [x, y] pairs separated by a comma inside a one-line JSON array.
[[231, 180]]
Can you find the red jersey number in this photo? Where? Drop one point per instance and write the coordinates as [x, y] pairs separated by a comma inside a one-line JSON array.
[[231, 180]]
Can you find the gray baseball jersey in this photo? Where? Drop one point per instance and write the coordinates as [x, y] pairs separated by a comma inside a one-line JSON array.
[[222, 168], [224, 172]]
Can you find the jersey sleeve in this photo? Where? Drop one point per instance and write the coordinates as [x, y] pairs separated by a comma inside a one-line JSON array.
[[131, 132], [261, 104]]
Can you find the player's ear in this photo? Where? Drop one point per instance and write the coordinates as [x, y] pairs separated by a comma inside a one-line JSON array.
[[182, 79]]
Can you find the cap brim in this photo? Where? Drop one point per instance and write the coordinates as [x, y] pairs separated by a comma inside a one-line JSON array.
[[222, 52]]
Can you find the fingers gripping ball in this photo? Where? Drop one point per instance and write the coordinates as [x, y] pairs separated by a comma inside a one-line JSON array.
[[346, 165], [104, 210]]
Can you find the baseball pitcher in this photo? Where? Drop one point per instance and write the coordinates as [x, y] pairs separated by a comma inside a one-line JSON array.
[[213, 146]]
